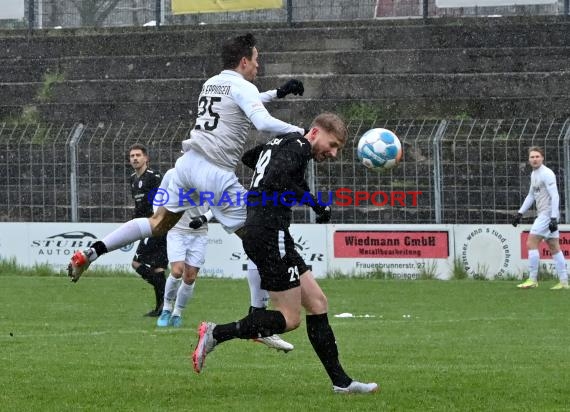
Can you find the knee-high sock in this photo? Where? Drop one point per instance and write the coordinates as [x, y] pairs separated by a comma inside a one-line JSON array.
[[170, 291], [258, 297], [185, 293], [533, 262], [159, 283], [259, 323], [560, 264], [156, 279], [322, 338], [146, 272], [129, 232]]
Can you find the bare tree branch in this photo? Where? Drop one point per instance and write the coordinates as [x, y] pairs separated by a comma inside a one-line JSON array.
[[109, 7], [94, 12]]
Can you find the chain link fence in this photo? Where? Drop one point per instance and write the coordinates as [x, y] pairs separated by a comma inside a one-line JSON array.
[[461, 171], [42, 14]]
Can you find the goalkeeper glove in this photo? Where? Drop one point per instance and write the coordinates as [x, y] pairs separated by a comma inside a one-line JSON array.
[[292, 86], [197, 222], [553, 226], [517, 219]]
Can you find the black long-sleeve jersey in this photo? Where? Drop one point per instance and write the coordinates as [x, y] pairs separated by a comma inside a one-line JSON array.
[[140, 188], [278, 180]]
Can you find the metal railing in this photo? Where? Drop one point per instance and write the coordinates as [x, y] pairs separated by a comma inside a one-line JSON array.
[[43, 14], [463, 171]]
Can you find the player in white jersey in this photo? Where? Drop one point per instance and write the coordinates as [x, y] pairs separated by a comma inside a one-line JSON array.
[[228, 105], [186, 248], [544, 193]]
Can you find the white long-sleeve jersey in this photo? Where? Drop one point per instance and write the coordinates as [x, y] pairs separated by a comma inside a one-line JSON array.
[[544, 191], [227, 106]]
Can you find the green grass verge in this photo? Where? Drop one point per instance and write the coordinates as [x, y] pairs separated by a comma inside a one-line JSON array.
[[465, 346]]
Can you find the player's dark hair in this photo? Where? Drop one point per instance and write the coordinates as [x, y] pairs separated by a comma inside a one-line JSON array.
[[235, 49], [333, 124], [139, 146], [536, 149]]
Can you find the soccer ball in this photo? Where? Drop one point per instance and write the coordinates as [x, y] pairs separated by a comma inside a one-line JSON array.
[[379, 149]]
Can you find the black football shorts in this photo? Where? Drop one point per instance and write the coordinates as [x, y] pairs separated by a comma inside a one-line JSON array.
[[273, 251], [152, 252]]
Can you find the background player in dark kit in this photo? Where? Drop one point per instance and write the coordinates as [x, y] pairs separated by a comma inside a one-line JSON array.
[[150, 260]]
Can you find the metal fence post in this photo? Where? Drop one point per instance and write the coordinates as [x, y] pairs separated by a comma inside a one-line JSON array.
[[75, 137], [289, 12], [157, 12], [566, 142], [31, 14], [437, 171]]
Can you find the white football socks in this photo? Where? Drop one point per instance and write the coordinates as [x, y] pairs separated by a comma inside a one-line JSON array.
[[533, 261], [560, 265], [259, 297], [129, 232], [170, 291], [185, 293]]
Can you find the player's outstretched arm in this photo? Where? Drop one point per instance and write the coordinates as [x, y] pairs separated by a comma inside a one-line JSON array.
[[292, 86], [249, 100]]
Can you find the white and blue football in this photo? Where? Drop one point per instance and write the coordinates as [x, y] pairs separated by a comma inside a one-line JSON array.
[[379, 149]]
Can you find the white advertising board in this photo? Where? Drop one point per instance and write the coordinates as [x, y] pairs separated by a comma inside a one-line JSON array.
[[54, 243], [406, 251], [491, 251], [497, 251]]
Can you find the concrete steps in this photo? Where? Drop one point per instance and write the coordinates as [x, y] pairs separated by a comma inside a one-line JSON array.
[[374, 35], [318, 63], [391, 95], [439, 68]]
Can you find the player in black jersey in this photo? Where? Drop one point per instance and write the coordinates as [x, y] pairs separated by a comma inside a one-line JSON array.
[[278, 183], [150, 260]]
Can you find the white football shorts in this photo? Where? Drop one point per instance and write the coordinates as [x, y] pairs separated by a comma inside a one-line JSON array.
[[198, 180], [189, 248], [540, 228]]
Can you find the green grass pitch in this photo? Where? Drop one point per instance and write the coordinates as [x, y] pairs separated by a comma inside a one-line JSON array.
[[466, 346]]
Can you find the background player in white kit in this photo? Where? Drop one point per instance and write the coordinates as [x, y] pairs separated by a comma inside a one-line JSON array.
[[228, 105], [186, 249], [544, 192]]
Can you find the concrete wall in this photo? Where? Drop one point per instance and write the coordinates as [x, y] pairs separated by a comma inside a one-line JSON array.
[[507, 67]]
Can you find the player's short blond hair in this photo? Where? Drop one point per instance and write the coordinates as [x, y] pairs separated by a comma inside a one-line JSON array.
[[333, 124]]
